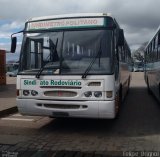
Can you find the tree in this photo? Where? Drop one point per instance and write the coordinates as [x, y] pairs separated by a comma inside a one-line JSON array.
[[139, 53]]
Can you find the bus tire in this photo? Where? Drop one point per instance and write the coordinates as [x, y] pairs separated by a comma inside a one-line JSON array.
[[118, 102], [129, 81], [159, 89], [148, 88]]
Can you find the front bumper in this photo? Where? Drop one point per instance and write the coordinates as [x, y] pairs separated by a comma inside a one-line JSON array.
[[82, 109]]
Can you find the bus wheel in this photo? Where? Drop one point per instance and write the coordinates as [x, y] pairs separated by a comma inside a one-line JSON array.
[[159, 89], [129, 81], [118, 100], [148, 88]]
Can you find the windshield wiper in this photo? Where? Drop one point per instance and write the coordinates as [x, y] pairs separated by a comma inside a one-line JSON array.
[[92, 62], [40, 71], [44, 67]]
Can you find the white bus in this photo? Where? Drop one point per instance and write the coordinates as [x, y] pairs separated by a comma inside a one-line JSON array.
[[138, 66], [152, 65], [72, 66]]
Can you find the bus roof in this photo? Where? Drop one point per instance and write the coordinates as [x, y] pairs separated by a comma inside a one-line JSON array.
[[76, 15]]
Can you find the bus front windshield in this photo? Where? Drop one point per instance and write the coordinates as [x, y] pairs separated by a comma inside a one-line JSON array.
[[67, 52]]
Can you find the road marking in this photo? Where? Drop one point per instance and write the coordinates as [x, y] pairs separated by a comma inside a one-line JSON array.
[[17, 115], [18, 119]]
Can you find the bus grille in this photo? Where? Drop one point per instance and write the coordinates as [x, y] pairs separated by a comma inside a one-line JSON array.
[[94, 84], [60, 93], [62, 106]]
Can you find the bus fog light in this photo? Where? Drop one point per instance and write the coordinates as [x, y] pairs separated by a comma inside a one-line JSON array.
[[88, 94], [98, 94], [26, 92], [109, 94], [34, 93]]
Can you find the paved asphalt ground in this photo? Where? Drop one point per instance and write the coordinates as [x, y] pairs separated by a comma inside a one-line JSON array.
[[134, 133], [7, 96]]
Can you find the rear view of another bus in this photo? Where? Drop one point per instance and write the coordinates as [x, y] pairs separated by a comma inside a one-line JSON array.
[[138, 66]]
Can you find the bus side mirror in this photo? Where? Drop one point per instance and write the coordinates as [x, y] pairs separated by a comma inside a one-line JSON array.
[[13, 44], [120, 41]]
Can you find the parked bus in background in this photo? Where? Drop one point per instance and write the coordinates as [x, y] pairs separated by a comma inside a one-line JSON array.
[[73, 66], [12, 69], [138, 66], [152, 65]]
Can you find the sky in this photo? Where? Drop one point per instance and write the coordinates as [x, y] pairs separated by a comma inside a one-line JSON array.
[[139, 18]]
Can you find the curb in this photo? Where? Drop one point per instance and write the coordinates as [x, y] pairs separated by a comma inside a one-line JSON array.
[[8, 111]]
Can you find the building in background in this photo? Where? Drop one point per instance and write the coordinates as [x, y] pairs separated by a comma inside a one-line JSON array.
[[2, 67]]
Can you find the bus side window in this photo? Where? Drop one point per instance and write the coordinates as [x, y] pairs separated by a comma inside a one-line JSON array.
[[159, 52], [150, 52], [120, 53], [123, 53], [147, 56], [154, 50], [158, 45], [159, 39]]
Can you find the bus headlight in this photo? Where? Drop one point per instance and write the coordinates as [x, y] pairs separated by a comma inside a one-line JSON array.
[[34, 93], [98, 94], [88, 94], [26, 92]]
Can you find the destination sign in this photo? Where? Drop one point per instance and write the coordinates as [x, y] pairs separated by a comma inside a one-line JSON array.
[[66, 23]]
